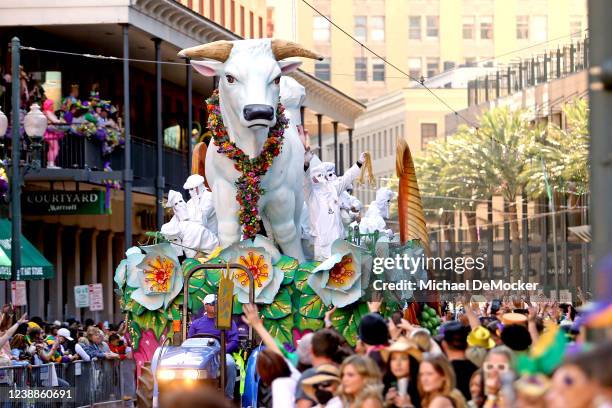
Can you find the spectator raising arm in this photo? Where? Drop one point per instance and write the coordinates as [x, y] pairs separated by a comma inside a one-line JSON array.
[[11, 331], [251, 317]]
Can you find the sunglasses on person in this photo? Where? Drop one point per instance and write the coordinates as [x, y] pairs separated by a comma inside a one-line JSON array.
[[501, 367], [324, 384]]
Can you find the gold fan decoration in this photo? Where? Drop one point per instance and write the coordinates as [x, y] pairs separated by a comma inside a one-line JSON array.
[[410, 207]]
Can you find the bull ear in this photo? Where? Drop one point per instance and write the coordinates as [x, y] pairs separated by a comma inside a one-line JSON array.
[[207, 68], [289, 66]]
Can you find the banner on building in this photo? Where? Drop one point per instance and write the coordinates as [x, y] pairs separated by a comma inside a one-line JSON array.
[[96, 299], [81, 296], [18, 293], [58, 202]]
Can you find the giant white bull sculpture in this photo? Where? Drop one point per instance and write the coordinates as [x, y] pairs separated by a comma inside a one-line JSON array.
[[249, 74]]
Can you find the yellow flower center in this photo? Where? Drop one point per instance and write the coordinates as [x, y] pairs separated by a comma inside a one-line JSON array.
[[256, 263]]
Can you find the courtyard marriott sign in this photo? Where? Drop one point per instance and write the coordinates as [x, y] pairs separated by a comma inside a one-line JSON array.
[[64, 202]]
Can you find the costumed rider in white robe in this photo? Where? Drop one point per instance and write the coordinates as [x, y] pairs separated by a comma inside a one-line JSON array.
[[190, 235], [200, 204], [378, 212], [350, 206], [322, 199]]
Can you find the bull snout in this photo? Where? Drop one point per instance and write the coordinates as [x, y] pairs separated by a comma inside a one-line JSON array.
[[258, 111]]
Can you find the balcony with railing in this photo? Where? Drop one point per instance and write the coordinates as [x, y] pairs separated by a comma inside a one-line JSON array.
[[81, 159], [540, 69]]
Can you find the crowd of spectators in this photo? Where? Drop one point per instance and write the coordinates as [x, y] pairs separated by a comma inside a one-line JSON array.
[[482, 356], [34, 342]]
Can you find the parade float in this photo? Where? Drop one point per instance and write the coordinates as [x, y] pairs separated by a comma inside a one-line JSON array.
[[255, 170]]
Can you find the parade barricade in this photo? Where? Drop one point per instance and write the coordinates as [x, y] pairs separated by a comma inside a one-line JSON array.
[[76, 384]]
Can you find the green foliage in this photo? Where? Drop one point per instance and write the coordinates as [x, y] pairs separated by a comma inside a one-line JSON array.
[[301, 277], [288, 265], [152, 319], [305, 323], [346, 321], [311, 306], [281, 307], [281, 329]]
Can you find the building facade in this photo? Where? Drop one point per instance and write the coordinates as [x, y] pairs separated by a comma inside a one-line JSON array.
[[410, 114], [420, 37], [246, 18]]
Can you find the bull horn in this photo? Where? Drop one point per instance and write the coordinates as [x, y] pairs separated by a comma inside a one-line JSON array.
[[216, 50], [285, 49]]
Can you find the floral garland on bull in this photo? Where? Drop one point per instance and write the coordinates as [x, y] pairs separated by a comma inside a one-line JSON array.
[[248, 188]]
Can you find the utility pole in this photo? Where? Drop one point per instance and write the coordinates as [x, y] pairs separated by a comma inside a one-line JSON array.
[[15, 170], [600, 123], [551, 204]]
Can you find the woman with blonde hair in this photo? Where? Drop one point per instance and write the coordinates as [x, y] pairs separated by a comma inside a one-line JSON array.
[[437, 383], [361, 383], [97, 348]]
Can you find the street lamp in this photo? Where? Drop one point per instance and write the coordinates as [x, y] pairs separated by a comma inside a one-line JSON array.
[[35, 125]]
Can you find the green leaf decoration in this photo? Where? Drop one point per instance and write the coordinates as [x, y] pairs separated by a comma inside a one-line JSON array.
[[305, 323], [288, 265], [196, 300], [302, 275], [389, 307], [213, 276], [237, 309], [173, 312], [189, 264], [127, 294], [199, 282], [153, 320], [281, 329], [135, 333], [346, 321], [136, 308], [311, 306], [281, 306]]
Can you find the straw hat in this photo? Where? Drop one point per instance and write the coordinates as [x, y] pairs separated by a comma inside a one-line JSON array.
[[324, 372], [532, 385], [480, 337], [513, 318], [402, 345]]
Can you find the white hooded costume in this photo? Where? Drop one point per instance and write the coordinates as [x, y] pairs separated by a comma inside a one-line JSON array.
[[349, 206], [322, 199], [200, 204], [189, 235], [378, 212]]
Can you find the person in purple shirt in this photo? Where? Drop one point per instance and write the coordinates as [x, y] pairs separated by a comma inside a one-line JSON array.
[[206, 325]]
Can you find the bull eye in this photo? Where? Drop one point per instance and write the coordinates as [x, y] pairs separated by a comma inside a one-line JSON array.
[[277, 80], [230, 79]]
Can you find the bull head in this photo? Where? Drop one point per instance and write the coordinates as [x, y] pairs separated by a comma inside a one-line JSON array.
[[249, 74]]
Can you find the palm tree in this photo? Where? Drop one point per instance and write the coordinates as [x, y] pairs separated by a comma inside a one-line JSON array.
[[500, 155], [565, 152]]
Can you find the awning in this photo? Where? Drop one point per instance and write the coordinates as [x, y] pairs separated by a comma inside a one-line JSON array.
[[33, 264]]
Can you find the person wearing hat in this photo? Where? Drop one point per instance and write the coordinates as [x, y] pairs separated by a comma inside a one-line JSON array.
[[322, 386], [454, 345], [190, 235], [372, 337], [200, 204], [402, 358], [206, 325], [480, 337]]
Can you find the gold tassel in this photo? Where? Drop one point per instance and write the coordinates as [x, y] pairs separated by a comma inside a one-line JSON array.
[[367, 174]]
